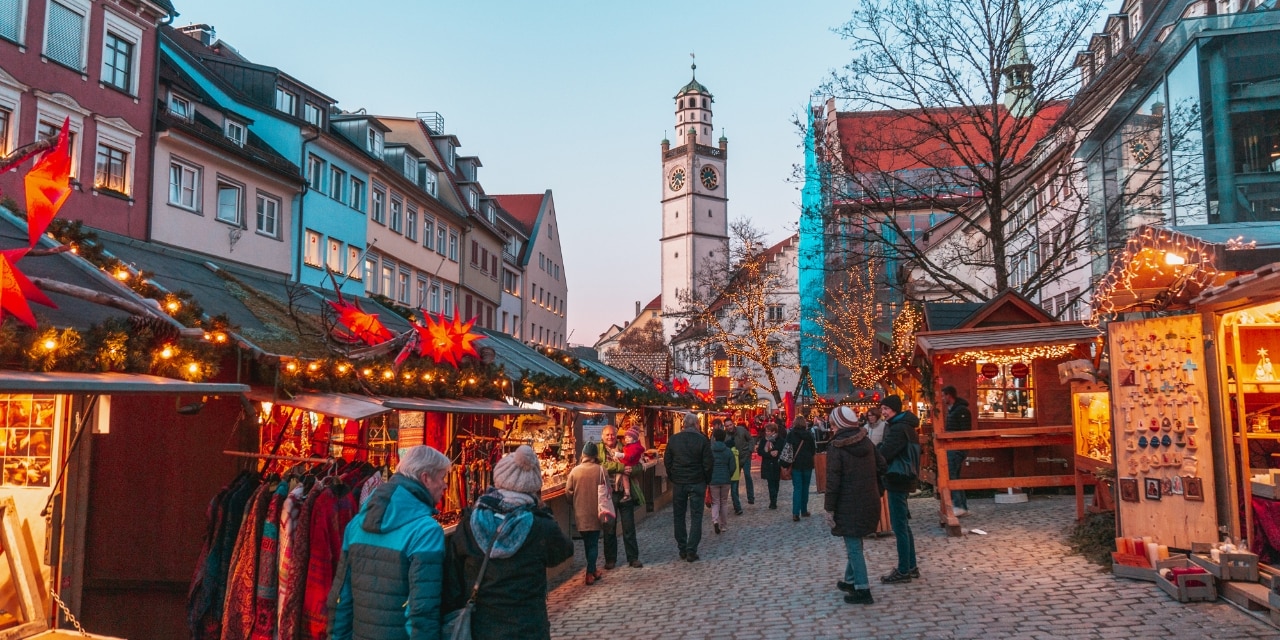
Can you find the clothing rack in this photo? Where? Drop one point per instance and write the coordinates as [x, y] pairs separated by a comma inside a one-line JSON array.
[[268, 456]]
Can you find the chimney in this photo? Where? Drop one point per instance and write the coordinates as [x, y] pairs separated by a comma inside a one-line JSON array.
[[637, 308], [202, 32]]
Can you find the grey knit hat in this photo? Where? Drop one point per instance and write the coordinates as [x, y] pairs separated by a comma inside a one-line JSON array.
[[843, 418], [518, 471]]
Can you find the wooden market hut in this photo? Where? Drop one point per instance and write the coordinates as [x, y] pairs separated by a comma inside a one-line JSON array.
[[1003, 357]]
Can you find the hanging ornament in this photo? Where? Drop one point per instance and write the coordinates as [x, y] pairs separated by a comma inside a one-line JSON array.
[[446, 340], [48, 184], [363, 326], [16, 290]]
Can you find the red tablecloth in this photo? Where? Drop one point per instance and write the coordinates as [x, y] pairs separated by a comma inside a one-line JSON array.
[[1265, 538]]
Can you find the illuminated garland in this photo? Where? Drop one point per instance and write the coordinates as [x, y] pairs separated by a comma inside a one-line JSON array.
[[1152, 252], [1013, 356], [116, 345]]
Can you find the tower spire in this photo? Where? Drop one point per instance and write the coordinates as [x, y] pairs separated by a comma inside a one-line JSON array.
[[1017, 71]]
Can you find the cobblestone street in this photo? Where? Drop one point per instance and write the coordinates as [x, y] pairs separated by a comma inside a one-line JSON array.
[[769, 577]]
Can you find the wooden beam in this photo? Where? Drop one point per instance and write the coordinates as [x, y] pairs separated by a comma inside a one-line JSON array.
[[1013, 481]]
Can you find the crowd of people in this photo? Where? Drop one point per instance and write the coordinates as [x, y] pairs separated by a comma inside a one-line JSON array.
[[398, 576]]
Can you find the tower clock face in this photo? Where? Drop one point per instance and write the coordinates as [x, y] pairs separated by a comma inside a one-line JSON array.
[[709, 178], [676, 181]]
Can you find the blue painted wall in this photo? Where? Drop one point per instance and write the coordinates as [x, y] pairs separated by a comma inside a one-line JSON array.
[[813, 259]]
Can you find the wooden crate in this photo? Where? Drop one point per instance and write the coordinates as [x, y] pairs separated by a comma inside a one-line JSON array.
[[1242, 566], [1186, 588], [1264, 490], [1131, 566]]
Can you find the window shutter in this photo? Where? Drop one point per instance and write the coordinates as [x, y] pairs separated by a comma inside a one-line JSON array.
[[66, 36], [10, 15]]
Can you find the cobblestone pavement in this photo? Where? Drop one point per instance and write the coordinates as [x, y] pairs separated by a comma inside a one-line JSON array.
[[1019, 581]]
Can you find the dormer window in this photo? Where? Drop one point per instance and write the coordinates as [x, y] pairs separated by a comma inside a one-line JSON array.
[[490, 214], [234, 132], [311, 113], [286, 101], [373, 144], [179, 106], [428, 178], [473, 199], [410, 167], [451, 157]]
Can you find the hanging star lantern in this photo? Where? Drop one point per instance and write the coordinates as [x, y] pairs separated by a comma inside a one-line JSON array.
[[16, 291], [680, 385], [363, 326], [447, 340], [47, 185]]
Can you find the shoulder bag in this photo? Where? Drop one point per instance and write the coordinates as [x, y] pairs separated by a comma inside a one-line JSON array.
[[457, 624], [604, 496], [785, 472], [907, 465]]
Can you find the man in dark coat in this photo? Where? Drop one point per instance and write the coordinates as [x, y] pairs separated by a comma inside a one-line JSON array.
[[900, 434], [959, 418], [688, 461], [853, 497], [743, 446]]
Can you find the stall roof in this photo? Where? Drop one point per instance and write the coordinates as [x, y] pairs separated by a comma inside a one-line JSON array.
[[1261, 285], [108, 383], [517, 357], [457, 405], [1004, 337], [620, 379], [331, 404], [588, 407]]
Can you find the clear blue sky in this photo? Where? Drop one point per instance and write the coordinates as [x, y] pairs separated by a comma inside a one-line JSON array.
[[572, 96]]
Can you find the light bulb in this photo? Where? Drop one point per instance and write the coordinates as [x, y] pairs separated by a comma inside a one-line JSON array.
[[50, 344], [166, 353]]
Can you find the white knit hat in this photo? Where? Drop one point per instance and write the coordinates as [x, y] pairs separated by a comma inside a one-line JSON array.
[[518, 471], [843, 418]]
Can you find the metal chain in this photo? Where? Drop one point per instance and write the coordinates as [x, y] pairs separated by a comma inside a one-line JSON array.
[[66, 613]]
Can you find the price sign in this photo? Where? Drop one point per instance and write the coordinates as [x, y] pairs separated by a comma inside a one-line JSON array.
[[990, 371], [1020, 370]]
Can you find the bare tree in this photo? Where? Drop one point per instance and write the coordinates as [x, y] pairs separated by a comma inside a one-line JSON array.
[[641, 348], [739, 304], [848, 324], [957, 107]]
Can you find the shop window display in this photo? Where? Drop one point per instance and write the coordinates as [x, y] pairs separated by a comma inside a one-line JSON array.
[[1005, 391], [26, 439]]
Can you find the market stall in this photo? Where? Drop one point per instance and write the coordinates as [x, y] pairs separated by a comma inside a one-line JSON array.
[[1095, 460], [1004, 359]]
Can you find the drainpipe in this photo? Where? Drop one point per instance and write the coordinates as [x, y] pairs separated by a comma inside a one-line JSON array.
[[154, 115], [300, 232]]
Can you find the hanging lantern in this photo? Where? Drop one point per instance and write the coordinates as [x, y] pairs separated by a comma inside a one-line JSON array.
[[363, 326], [445, 340], [16, 291], [47, 185]]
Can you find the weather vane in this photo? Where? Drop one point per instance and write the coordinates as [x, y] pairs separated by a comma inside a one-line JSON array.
[[694, 64]]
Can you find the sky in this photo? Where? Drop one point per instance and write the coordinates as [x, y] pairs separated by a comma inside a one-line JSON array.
[[573, 96]]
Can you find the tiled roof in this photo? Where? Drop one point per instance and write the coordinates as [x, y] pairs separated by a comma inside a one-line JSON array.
[[656, 303], [942, 316], [523, 207], [1006, 337]]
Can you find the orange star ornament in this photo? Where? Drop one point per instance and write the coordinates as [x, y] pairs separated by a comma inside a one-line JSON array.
[[48, 184], [363, 325], [16, 290], [447, 340]]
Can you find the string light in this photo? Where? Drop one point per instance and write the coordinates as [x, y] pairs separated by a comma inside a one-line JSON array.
[[1013, 355], [166, 352], [1175, 265], [291, 367], [50, 344], [193, 368]]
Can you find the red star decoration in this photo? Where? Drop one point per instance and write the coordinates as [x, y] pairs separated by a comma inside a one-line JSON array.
[[447, 340], [48, 184], [363, 325], [16, 290]]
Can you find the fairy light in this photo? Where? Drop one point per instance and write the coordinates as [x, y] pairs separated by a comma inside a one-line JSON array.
[[122, 275], [1151, 256], [166, 353], [1014, 355], [367, 372], [342, 368], [193, 368], [173, 306], [50, 344], [291, 367], [388, 374]]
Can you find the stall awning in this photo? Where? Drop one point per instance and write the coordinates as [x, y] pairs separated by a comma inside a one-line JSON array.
[[587, 407], [619, 378], [1262, 285], [108, 383], [457, 405], [518, 357], [992, 338], [330, 404]]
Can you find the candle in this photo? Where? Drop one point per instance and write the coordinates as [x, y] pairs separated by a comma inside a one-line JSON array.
[[1164, 552], [1153, 553], [1123, 546], [1215, 554]]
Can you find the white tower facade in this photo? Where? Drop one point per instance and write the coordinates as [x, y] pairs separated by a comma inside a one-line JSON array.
[[695, 223]]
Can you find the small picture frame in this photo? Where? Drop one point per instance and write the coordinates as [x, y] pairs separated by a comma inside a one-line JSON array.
[[1193, 488], [1176, 486], [1127, 378], [1152, 488], [1129, 489]]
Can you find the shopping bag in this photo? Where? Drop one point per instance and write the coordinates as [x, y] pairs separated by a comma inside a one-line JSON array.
[[604, 498]]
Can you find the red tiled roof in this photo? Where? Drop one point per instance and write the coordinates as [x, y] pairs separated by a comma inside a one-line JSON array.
[[656, 303], [524, 207]]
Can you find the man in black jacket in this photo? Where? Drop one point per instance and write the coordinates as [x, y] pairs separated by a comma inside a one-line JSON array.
[[688, 462], [899, 434], [958, 418]]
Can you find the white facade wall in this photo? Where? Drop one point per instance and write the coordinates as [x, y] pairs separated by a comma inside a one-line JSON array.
[[546, 283]]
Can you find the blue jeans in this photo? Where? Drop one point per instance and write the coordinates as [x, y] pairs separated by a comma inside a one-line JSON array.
[[744, 461], [855, 572], [590, 547], [900, 520], [955, 462], [688, 498], [733, 491], [800, 491]]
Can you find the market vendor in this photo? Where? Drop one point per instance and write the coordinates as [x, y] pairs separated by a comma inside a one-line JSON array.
[[611, 455]]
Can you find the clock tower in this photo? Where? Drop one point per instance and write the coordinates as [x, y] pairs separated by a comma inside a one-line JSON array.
[[695, 225]]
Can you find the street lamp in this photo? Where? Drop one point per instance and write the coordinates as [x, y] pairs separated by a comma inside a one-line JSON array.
[[720, 373]]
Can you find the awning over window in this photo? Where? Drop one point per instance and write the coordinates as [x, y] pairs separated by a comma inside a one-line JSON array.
[[586, 407], [988, 339], [456, 405], [331, 404], [108, 383]]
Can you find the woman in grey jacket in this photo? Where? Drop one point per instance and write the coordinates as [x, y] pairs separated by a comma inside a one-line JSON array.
[[724, 463]]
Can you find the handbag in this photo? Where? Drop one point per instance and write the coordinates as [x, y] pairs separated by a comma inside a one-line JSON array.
[[788, 454], [457, 624], [907, 465], [604, 498], [784, 473]]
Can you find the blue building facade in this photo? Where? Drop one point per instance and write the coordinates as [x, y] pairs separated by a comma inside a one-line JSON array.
[[813, 264]]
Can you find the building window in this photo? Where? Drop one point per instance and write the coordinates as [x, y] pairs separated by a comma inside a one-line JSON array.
[[428, 231], [491, 214], [434, 306], [410, 167], [117, 62], [403, 288], [312, 252], [428, 179], [353, 259], [371, 275], [411, 223], [286, 101], [396, 207], [357, 194], [6, 116], [473, 199], [111, 171], [373, 143], [453, 246], [1005, 395], [229, 207], [234, 131], [311, 113], [179, 106], [775, 312], [442, 240], [379, 206], [422, 292], [315, 172], [184, 186], [475, 253], [333, 258], [493, 266], [448, 309], [11, 20], [64, 35], [388, 280], [511, 282], [337, 182], [268, 216]]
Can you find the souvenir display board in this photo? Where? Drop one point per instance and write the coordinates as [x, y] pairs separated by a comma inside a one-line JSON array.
[[1159, 400], [1091, 414]]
